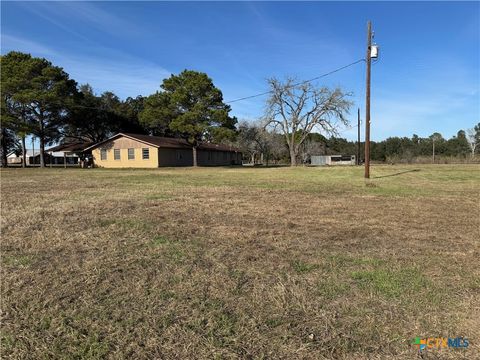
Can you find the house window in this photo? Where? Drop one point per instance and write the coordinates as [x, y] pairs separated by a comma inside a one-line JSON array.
[[116, 154], [146, 154], [131, 154], [179, 155], [103, 154]]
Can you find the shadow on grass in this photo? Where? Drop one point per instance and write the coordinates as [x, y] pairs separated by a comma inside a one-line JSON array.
[[396, 174]]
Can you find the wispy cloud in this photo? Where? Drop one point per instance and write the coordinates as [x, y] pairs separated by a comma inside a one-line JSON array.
[[108, 69], [11, 43], [404, 114], [424, 94], [90, 14], [44, 11]]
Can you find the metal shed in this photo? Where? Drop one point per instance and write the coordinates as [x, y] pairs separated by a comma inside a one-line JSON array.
[[318, 160]]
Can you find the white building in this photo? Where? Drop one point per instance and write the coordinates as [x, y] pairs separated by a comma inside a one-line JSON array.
[[30, 155]]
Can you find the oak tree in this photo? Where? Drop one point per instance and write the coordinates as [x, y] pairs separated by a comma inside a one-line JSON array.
[[298, 109]]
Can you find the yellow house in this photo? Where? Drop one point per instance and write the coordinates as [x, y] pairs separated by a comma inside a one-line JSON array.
[[144, 151]]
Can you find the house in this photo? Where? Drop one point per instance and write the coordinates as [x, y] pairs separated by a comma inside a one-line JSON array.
[[144, 151], [31, 156], [333, 160]]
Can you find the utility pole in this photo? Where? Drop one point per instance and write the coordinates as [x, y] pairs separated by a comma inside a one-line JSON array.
[[367, 104], [358, 137], [433, 151]]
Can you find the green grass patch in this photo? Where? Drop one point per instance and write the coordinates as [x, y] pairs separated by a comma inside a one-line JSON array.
[[391, 283], [172, 249], [274, 322], [215, 322], [332, 288], [136, 224], [160, 240], [176, 254], [167, 295], [93, 347], [7, 342], [105, 222], [302, 267], [340, 260], [19, 260]]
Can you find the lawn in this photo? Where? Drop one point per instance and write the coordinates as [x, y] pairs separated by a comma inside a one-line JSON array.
[[251, 263]]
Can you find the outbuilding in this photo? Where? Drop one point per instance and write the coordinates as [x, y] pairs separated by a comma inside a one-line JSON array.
[[32, 157], [67, 154], [333, 160], [144, 151]]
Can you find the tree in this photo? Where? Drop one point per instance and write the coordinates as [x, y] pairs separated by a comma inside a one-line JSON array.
[[311, 147], [458, 145], [8, 142], [299, 109], [131, 109], [337, 145], [192, 107], [278, 146], [157, 114], [436, 140], [87, 121], [95, 118], [396, 147], [7, 133], [254, 140], [43, 95], [246, 140], [473, 138], [477, 133], [16, 75]]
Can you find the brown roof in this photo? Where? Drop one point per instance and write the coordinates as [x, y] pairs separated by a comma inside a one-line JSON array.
[[171, 143]]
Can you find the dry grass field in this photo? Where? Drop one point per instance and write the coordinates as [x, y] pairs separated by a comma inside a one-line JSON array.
[[249, 263]]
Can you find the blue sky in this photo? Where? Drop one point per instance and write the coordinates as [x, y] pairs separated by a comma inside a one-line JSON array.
[[427, 78]]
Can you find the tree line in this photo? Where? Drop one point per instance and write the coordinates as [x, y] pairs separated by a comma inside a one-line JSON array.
[[40, 99], [260, 145]]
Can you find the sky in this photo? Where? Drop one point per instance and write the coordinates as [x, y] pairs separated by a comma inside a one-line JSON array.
[[426, 80]]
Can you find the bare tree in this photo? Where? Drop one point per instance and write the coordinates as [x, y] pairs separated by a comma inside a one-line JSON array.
[[246, 140], [472, 138], [254, 140], [298, 109], [278, 147]]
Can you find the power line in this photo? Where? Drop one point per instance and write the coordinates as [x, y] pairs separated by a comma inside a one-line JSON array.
[[297, 84], [69, 106], [347, 129], [243, 98]]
